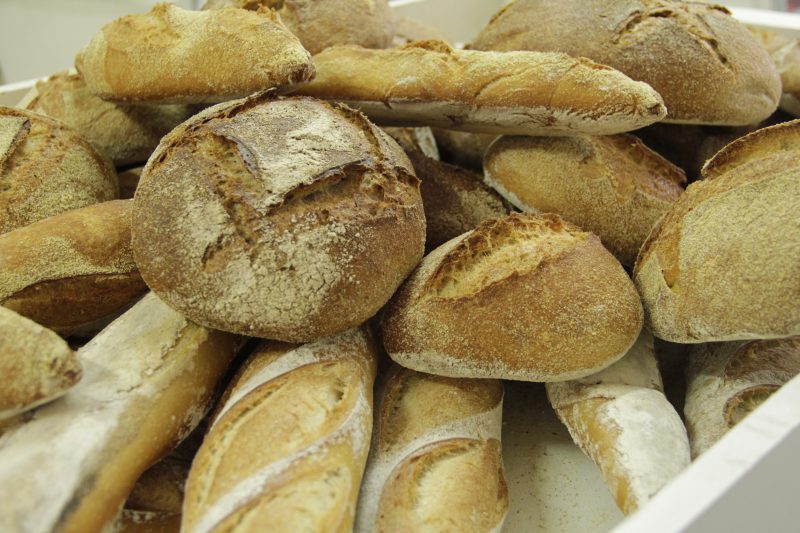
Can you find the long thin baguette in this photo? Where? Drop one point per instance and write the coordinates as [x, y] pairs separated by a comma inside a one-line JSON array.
[[287, 450], [622, 420], [524, 93], [147, 381]]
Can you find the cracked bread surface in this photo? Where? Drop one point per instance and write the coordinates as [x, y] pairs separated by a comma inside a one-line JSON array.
[[282, 218], [525, 297], [682, 49]]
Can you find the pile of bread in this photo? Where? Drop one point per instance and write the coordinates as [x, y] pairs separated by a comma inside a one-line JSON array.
[[234, 314]]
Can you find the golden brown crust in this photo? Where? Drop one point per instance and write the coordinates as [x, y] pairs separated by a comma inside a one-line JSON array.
[[171, 55], [515, 299], [613, 186], [680, 48], [36, 364], [72, 269], [318, 25], [526, 93], [46, 169], [283, 218], [723, 262], [125, 134]]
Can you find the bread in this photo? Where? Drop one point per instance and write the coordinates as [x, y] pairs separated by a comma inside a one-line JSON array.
[[613, 186], [148, 378], [724, 262], [415, 139], [129, 181], [428, 83], [706, 65], [621, 419], [36, 364], [290, 219], [46, 169], [171, 55], [727, 381], [71, 271], [286, 452], [455, 199], [319, 25], [125, 134], [161, 487], [436, 461], [525, 297], [407, 30], [463, 148], [785, 53]]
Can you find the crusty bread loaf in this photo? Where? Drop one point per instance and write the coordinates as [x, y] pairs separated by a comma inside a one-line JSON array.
[[171, 55], [125, 134], [36, 364], [525, 297], [147, 381], [283, 218], [706, 65], [525, 93], [436, 462], [621, 419], [613, 186], [727, 381], [415, 139], [318, 25], [455, 199], [46, 169], [287, 449], [463, 148], [71, 271], [724, 262], [785, 53]]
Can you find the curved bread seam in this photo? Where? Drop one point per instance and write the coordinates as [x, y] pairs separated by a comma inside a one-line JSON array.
[[483, 426], [258, 482]]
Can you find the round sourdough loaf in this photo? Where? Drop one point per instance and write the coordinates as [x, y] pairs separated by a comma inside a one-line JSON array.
[[613, 186], [284, 218], [526, 297], [708, 68], [46, 168], [724, 262]]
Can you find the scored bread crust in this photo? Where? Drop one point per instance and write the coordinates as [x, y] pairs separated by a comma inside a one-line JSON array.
[[613, 186], [525, 93], [283, 218], [436, 461], [318, 25], [124, 134], [287, 447], [172, 55], [37, 365], [526, 297], [724, 262], [69, 271], [727, 381], [680, 48], [47, 168]]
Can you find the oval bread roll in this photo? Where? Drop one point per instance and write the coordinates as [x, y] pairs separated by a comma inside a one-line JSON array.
[[526, 297], [72, 271], [172, 55], [36, 364], [724, 262], [706, 65], [289, 219], [46, 168], [613, 186], [429, 83], [287, 448]]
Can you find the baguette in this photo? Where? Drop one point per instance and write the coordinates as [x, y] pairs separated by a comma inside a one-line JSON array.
[[525, 93], [728, 381], [436, 461], [286, 451], [36, 364], [172, 55], [621, 419], [148, 378], [72, 271]]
